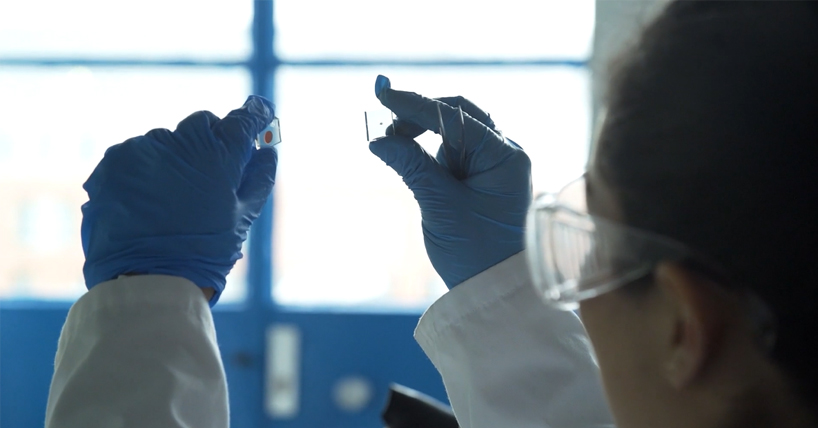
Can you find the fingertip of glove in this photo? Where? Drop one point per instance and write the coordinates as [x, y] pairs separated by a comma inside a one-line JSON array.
[[261, 107], [381, 82], [264, 159], [379, 143], [390, 146]]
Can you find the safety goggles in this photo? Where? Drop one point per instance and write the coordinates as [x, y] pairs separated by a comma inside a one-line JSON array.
[[574, 256]]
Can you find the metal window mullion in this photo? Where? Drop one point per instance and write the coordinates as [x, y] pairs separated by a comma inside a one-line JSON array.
[[262, 66], [114, 62], [487, 62]]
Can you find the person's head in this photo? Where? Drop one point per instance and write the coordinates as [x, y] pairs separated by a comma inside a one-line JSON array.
[[711, 140]]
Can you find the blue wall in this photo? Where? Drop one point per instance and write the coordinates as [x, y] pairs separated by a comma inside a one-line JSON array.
[[335, 344]]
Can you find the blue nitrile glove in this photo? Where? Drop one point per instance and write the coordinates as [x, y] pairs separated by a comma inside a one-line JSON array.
[[469, 224], [179, 203]]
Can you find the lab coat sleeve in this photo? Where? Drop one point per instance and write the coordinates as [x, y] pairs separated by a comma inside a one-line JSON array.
[[139, 352], [507, 360]]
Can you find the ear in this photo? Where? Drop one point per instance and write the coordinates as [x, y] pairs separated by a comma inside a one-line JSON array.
[[698, 321]]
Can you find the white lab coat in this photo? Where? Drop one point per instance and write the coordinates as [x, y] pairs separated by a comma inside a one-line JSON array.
[[141, 352]]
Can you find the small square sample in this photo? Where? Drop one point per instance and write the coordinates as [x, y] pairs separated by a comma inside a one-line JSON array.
[[377, 122], [269, 136]]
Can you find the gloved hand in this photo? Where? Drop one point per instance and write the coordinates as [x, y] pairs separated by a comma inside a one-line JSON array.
[[179, 203], [472, 222]]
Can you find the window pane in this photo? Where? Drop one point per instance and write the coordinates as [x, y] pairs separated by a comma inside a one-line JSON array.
[[347, 231], [195, 29], [449, 29], [60, 121]]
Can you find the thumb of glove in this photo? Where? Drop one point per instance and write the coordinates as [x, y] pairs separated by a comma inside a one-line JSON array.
[[425, 177], [257, 183]]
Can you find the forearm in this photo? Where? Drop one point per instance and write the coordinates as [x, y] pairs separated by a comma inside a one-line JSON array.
[[139, 352], [508, 360]]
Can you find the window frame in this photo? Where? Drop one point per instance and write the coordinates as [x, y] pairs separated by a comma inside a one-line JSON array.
[[244, 355], [262, 66]]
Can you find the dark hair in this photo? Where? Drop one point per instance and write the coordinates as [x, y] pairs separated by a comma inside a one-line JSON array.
[[712, 139]]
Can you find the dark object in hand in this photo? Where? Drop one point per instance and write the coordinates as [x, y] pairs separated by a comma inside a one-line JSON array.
[[407, 408]]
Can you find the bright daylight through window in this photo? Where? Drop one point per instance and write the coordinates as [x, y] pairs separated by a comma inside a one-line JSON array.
[[346, 231]]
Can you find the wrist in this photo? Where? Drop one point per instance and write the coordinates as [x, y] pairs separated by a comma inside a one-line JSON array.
[[207, 291]]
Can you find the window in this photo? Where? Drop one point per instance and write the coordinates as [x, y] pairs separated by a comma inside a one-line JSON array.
[[346, 228], [147, 30], [337, 206], [73, 84], [337, 256]]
